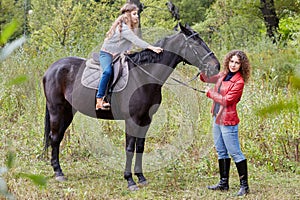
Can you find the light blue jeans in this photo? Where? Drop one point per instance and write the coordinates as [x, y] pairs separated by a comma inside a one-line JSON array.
[[106, 64], [226, 141]]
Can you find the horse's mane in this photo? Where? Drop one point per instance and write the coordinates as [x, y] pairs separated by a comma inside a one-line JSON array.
[[143, 57], [147, 55]]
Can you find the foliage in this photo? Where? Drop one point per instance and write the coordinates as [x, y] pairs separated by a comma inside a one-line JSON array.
[[156, 14], [289, 27], [224, 15], [192, 12], [3, 185], [70, 24], [287, 7], [5, 35], [63, 28], [11, 11], [7, 32], [248, 32]]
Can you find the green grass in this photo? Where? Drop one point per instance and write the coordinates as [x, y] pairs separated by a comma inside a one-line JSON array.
[[88, 178], [93, 174]]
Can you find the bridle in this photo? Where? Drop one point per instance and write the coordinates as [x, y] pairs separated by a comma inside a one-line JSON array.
[[201, 63], [201, 60]]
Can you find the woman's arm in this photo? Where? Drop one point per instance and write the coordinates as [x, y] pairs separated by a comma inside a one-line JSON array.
[[232, 96], [212, 79]]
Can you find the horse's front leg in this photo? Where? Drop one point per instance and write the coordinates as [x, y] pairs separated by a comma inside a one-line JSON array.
[[138, 167], [130, 147]]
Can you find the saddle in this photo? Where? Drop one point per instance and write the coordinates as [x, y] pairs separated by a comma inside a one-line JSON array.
[[93, 72]]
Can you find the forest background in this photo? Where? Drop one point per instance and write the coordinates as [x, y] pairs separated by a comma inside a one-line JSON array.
[[36, 33]]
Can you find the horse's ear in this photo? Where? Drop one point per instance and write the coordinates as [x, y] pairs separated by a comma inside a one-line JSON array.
[[185, 29], [181, 26], [187, 26]]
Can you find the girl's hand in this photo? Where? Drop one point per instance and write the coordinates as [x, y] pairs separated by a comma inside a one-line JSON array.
[[155, 49]]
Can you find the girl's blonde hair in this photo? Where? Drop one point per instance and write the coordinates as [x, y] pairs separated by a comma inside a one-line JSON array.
[[125, 17], [245, 69]]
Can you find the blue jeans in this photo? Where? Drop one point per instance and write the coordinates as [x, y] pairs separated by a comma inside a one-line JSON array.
[[227, 141], [106, 64]]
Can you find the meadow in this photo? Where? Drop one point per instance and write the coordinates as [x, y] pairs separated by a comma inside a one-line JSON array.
[[180, 160]]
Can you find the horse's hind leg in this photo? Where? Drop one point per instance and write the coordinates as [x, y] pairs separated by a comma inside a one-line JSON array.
[[60, 118], [138, 167]]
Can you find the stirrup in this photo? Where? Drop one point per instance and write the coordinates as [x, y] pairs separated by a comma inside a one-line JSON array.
[[106, 104]]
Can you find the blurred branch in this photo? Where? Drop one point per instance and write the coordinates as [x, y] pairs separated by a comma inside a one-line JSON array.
[[7, 32], [295, 82], [276, 108], [291, 104], [10, 47]]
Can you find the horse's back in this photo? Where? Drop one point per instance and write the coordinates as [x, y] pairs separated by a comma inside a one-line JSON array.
[[59, 78], [63, 64]]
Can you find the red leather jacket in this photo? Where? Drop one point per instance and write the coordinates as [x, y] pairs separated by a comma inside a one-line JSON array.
[[230, 94]]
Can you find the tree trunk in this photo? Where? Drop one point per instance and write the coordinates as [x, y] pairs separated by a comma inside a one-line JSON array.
[[270, 17]]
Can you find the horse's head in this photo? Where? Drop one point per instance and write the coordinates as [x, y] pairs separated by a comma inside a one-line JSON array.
[[196, 52]]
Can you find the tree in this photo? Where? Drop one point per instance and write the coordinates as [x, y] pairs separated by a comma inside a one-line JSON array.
[[192, 11], [270, 18], [249, 22], [70, 24]]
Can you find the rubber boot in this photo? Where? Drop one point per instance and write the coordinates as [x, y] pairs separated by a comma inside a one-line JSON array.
[[224, 167], [243, 174]]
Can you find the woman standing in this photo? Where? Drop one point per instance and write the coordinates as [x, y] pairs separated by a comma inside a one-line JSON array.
[[119, 39], [226, 93]]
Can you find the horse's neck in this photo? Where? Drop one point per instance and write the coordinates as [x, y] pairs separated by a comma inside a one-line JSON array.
[[160, 71], [166, 66]]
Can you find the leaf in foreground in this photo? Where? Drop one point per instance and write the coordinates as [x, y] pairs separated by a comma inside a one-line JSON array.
[[38, 180]]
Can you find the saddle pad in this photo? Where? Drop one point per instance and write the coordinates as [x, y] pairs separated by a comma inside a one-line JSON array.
[[92, 73]]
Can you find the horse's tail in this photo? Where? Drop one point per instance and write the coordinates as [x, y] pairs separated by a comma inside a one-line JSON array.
[[47, 130]]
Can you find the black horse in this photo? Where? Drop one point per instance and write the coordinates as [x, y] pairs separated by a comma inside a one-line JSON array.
[[135, 104]]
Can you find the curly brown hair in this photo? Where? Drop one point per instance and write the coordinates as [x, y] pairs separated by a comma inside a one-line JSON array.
[[125, 17], [245, 68]]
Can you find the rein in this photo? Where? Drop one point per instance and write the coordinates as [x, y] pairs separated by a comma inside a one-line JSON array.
[[162, 82], [187, 85], [145, 71]]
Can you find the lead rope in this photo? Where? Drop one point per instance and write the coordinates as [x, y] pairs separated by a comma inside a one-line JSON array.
[[187, 85]]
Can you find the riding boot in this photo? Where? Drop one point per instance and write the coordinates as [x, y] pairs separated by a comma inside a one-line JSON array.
[[224, 167], [243, 175]]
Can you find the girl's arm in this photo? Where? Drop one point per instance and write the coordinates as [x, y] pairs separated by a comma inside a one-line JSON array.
[[132, 37]]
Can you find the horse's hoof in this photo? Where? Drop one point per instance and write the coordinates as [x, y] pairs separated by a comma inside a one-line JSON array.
[[133, 188], [60, 178], [143, 183]]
